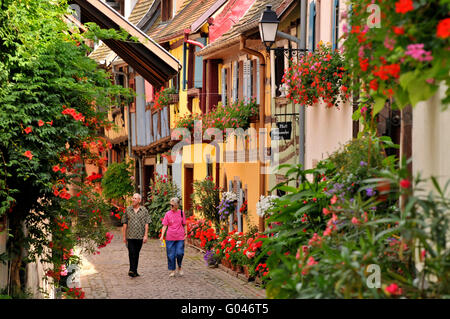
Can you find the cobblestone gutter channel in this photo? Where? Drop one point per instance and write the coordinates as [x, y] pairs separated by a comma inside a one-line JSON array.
[[105, 276]]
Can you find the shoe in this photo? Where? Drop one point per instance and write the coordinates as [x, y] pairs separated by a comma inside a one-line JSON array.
[[172, 274], [131, 274], [136, 274], [180, 272]]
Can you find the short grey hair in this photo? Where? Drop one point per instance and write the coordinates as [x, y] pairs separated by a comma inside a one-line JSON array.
[[140, 197], [176, 200]]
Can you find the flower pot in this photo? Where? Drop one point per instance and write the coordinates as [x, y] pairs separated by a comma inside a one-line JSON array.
[[253, 119], [225, 262], [239, 269], [246, 271]]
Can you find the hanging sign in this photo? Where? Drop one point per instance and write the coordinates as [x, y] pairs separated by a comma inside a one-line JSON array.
[[284, 131]]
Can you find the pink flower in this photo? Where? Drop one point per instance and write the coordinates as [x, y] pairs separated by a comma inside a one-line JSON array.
[[389, 43], [404, 183], [417, 52], [393, 289], [311, 261], [333, 199], [355, 221], [63, 270]]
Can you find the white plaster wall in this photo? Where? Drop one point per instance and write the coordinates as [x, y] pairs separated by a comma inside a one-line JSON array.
[[326, 128], [431, 138]]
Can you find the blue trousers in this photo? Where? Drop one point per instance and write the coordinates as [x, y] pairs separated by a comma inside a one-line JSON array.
[[175, 253]]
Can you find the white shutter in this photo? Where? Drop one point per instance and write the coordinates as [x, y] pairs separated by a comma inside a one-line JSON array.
[[247, 81], [224, 86], [235, 80]]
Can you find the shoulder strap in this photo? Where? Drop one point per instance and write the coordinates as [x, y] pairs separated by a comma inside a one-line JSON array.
[[181, 213]]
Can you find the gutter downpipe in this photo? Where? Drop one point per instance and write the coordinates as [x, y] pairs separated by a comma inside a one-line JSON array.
[[303, 14], [262, 105]]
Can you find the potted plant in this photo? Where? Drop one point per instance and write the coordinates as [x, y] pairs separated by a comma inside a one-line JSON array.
[[211, 259], [164, 97]]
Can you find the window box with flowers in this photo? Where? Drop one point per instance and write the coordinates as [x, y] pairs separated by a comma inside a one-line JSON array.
[[318, 75], [164, 97]]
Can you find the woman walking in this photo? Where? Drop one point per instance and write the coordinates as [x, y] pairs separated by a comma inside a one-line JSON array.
[[175, 223]]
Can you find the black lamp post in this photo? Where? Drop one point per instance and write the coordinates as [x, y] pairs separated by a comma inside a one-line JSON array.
[[268, 27]]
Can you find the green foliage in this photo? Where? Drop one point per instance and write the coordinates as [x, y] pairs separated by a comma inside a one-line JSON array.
[[381, 59], [206, 199], [117, 182], [51, 96], [346, 216], [162, 189]]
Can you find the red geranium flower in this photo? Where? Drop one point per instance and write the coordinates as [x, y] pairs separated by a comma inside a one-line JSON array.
[[398, 30], [40, 122], [28, 130], [443, 29], [403, 6]]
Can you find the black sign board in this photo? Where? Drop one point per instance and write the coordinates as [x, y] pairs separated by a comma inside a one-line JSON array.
[[284, 131]]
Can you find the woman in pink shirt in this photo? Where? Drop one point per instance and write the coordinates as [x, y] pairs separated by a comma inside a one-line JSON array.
[[175, 223]]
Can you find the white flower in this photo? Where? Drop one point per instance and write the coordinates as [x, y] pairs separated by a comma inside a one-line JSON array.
[[230, 196], [264, 204]]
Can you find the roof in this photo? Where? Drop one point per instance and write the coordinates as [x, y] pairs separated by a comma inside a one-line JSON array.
[[146, 56], [139, 10], [191, 11], [248, 21]]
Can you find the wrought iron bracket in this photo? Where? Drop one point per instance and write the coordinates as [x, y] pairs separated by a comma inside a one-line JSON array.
[[287, 52]]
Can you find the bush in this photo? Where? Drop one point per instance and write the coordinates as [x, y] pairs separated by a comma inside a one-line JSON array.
[[162, 189], [117, 182], [205, 200]]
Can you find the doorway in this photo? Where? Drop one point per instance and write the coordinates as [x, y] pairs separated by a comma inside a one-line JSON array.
[[188, 188], [149, 170]]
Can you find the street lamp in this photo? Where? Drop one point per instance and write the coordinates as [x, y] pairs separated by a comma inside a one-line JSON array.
[[268, 26], [268, 30]]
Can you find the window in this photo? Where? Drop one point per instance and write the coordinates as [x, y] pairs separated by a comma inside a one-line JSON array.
[[195, 65], [279, 72], [235, 86], [225, 72], [335, 24], [312, 27]]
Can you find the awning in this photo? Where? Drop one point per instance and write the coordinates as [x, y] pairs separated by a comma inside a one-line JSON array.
[[147, 57]]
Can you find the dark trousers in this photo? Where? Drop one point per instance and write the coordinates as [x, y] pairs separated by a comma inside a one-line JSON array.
[[175, 253], [134, 247]]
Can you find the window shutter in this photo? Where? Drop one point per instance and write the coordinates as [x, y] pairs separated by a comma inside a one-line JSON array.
[[312, 26], [224, 86], [247, 81], [198, 77], [335, 24], [235, 80]]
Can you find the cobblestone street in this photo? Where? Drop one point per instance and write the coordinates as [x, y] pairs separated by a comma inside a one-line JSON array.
[[105, 276]]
